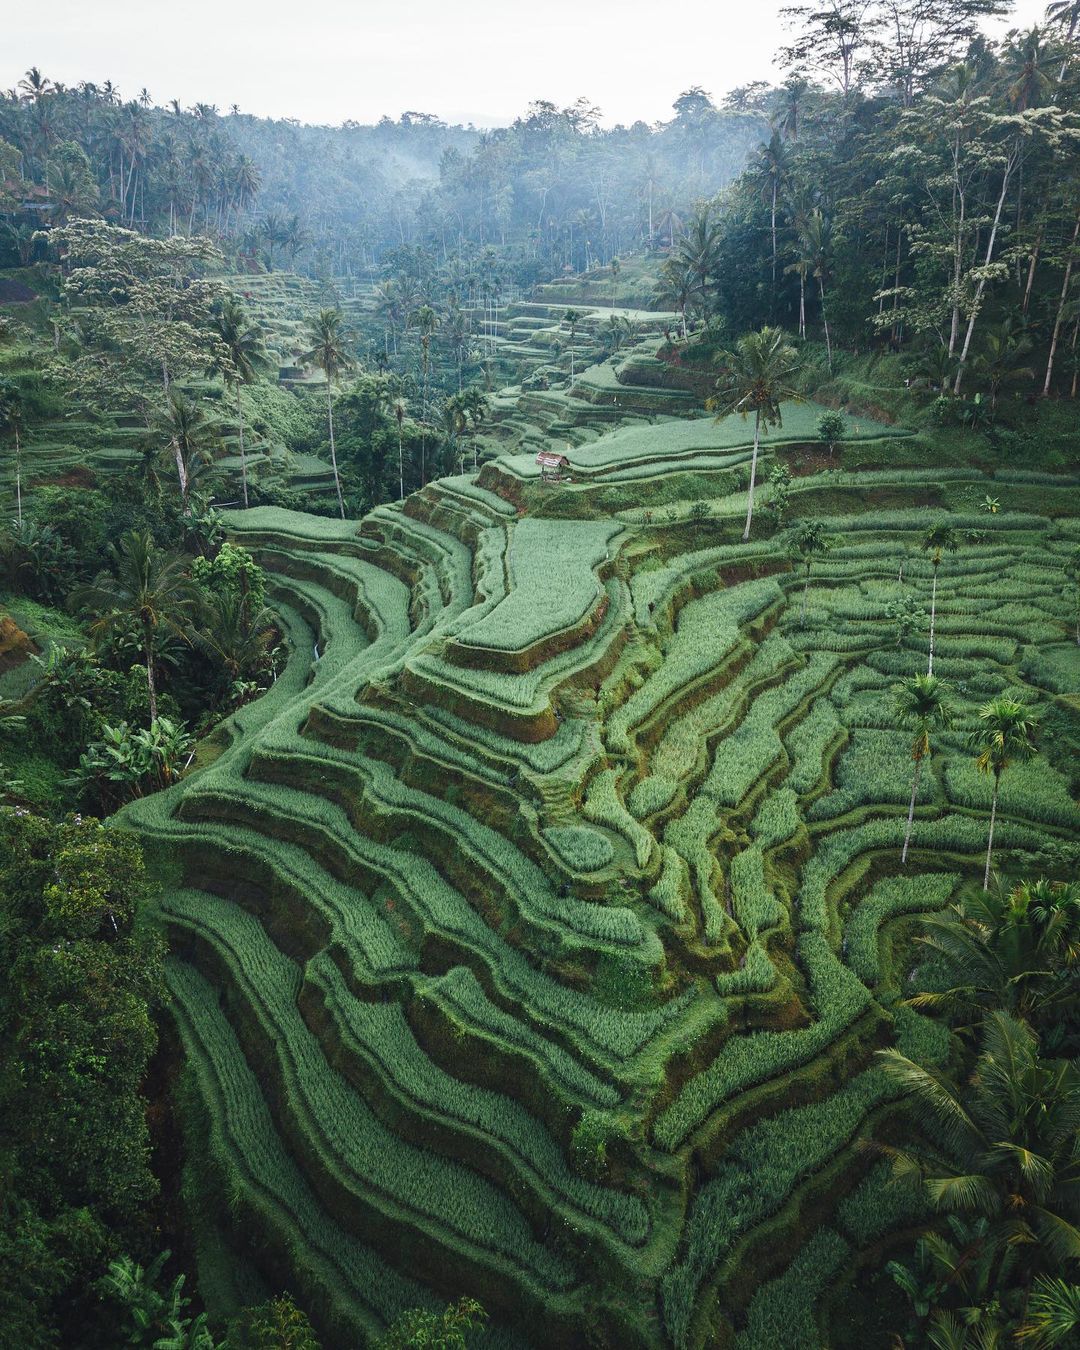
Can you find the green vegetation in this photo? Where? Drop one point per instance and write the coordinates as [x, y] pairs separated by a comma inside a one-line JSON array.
[[592, 787]]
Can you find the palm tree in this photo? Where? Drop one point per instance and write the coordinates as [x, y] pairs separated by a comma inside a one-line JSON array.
[[1005, 737], [675, 287], [236, 638], [755, 378], [190, 436], [572, 318], [808, 541], [144, 586], [240, 355], [297, 237], [1064, 14], [1009, 1156], [1053, 1314], [798, 209], [275, 231], [330, 352], [34, 86], [772, 170], [697, 251], [399, 416], [921, 706], [614, 279], [999, 361], [426, 321], [1015, 950], [477, 407], [940, 538], [815, 247]]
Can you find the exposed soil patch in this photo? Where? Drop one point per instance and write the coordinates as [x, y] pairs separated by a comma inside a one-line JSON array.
[[15, 292], [803, 462], [79, 476], [15, 645]]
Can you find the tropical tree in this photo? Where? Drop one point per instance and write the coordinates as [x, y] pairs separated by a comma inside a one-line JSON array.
[[330, 353], [940, 538], [1008, 1154], [153, 1317], [399, 411], [572, 318], [144, 587], [675, 287], [1053, 1315], [755, 378], [808, 541], [831, 428], [771, 171], [1015, 950], [814, 233], [146, 306], [696, 254], [275, 230], [449, 1329], [240, 354], [427, 321], [190, 438], [1005, 736], [1000, 361], [921, 706], [238, 636]]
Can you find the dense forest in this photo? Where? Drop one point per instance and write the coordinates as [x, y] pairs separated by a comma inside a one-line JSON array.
[[540, 712]]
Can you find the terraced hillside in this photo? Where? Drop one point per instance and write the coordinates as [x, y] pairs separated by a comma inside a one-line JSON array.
[[534, 934]]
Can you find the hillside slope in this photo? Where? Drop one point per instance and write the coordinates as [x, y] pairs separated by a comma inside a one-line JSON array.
[[534, 934]]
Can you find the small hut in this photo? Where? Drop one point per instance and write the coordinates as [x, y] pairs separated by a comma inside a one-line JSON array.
[[552, 466]]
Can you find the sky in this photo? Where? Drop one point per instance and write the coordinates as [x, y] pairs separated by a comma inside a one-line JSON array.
[[476, 61]]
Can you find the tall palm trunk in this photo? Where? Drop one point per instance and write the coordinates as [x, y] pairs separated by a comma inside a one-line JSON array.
[[753, 476], [981, 285], [933, 616], [181, 473], [1060, 316], [802, 305], [400, 467], [243, 456], [990, 836], [911, 809], [150, 685], [1032, 265], [825, 321], [1076, 368], [774, 237], [333, 449]]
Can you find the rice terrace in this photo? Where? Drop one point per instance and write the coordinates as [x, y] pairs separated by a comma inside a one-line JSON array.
[[540, 765]]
